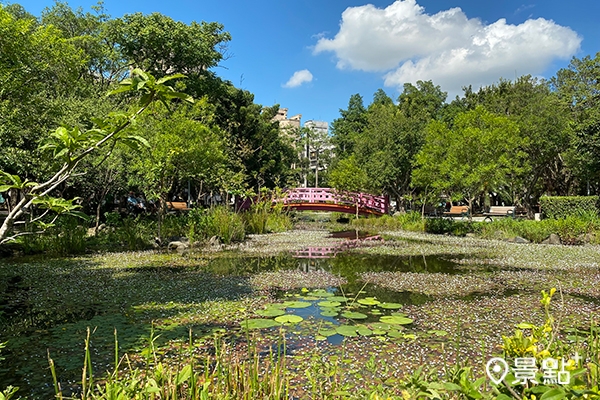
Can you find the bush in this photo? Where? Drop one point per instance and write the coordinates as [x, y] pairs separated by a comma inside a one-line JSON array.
[[557, 207], [410, 221], [217, 221]]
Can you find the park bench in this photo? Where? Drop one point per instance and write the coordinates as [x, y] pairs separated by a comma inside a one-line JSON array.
[[177, 206], [500, 211], [457, 211]]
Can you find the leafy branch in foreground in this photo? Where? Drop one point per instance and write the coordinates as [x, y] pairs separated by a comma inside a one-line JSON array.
[[70, 146]]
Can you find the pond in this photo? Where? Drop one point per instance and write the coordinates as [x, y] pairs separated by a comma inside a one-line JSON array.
[[355, 295]]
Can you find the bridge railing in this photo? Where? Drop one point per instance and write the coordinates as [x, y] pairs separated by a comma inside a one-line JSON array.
[[333, 196]]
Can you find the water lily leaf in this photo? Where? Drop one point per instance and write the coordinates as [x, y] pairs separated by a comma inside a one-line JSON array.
[[296, 304], [329, 303], [258, 323], [304, 290], [399, 314], [319, 337], [395, 320], [309, 298], [346, 330], [329, 313], [381, 326], [354, 315], [364, 331], [327, 332], [395, 334], [410, 336], [391, 306], [379, 332], [270, 312], [376, 312], [338, 298], [369, 301], [289, 319]]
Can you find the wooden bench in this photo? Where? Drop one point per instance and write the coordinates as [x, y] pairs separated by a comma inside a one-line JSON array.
[[500, 211], [177, 206], [457, 211]]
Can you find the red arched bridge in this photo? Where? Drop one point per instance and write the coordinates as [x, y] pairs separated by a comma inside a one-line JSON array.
[[327, 199]]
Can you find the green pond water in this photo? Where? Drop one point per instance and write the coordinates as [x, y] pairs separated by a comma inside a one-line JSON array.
[[81, 295]]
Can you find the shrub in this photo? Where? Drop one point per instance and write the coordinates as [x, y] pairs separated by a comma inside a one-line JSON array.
[[557, 207], [217, 221], [410, 221]]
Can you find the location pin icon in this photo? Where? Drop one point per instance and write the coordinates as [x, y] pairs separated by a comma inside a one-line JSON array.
[[497, 369]]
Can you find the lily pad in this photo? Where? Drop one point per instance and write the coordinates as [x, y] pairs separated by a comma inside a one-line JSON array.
[[346, 330], [329, 303], [381, 326], [327, 332], [270, 312], [379, 332], [369, 301], [391, 306], [376, 312], [338, 298], [296, 304], [395, 334], [289, 319], [364, 331], [395, 320], [258, 323], [329, 313], [354, 315]]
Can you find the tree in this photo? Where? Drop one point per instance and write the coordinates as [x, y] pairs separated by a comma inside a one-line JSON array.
[[351, 124], [160, 45], [39, 75], [543, 122], [478, 154], [348, 175], [69, 146], [578, 86]]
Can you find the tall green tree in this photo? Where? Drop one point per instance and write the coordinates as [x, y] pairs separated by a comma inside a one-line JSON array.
[[578, 86], [348, 127], [544, 125], [477, 155]]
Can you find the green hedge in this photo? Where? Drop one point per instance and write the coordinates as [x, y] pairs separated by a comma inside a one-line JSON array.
[[558, 207]]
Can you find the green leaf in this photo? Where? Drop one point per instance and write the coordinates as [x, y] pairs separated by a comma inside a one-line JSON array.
[[390, 306], [270, 312], [554, 394], [451, 386], [289, 319], [369, 301], [329, 304], [183, 375], [395, 320], [353, 315], [346, 330], [296, 304]]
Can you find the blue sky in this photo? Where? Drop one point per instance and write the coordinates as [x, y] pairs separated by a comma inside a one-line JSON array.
[[335, 48]]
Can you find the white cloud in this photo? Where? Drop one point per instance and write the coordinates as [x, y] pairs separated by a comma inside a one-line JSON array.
[[299, 78], [448, 48]]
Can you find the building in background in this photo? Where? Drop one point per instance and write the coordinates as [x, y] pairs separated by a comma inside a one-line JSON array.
[[317, 149]]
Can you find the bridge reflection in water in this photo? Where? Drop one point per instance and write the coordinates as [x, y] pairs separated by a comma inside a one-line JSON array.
[[317, 252]]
